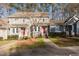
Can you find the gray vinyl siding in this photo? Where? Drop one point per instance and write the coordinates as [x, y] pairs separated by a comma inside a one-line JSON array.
[[56, 29], [78, 28]]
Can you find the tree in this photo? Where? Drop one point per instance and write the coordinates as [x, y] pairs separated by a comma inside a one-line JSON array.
[[72, 8], [31, 6], [58, 11]]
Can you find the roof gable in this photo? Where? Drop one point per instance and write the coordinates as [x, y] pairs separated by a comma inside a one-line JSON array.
[[72, 20]]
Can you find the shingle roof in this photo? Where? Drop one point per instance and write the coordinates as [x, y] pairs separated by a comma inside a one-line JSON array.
[[18, 25], [68, 19], [2, 22], [53, 22], [29, 14], [72, 20]]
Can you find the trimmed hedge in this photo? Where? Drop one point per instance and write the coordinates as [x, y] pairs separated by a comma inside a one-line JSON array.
[[53, 34], [1, 38], [12, 37], [73, 38], [25, 38]]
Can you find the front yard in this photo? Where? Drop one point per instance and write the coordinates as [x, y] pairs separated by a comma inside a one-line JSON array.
[[32, 43], [64, 42], [3, 42], [40, 47], [23, 46]]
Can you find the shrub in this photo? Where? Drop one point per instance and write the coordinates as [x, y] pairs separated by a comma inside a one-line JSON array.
[[31, 46], [12, 37], [40, 42], [73, 38], [40, 36], [25, 38], [1, 38], [54, 34]]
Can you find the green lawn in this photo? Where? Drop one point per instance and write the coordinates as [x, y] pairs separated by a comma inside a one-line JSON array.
[[65, 42], [2, 42]]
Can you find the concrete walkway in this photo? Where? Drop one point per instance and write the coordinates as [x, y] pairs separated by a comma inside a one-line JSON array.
[[50, 43]]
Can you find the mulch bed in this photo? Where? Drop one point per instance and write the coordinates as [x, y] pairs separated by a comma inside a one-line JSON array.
[[26, 42]]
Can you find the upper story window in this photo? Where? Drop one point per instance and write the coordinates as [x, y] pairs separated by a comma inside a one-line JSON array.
[[11, 20]]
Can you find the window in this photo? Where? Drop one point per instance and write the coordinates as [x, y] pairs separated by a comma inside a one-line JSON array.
[[43, 20], [23, 20], [7, 10], [57, 28], [13, 30], [38, 28], [9, 29], [52, 29], [16, 30], [8, 21], [15, 19], [35, 28]]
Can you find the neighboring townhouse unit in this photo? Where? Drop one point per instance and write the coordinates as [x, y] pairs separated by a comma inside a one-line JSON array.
[[72, 25], [56, 26], [30, 24], [3, 29]]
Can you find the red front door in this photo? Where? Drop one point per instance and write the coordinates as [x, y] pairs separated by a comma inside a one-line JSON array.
[[23, 31], [43, 27]]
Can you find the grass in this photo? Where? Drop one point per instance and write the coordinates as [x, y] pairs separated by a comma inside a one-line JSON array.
[[65, 42], [40, 43], [54, 39], [2, 42]]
